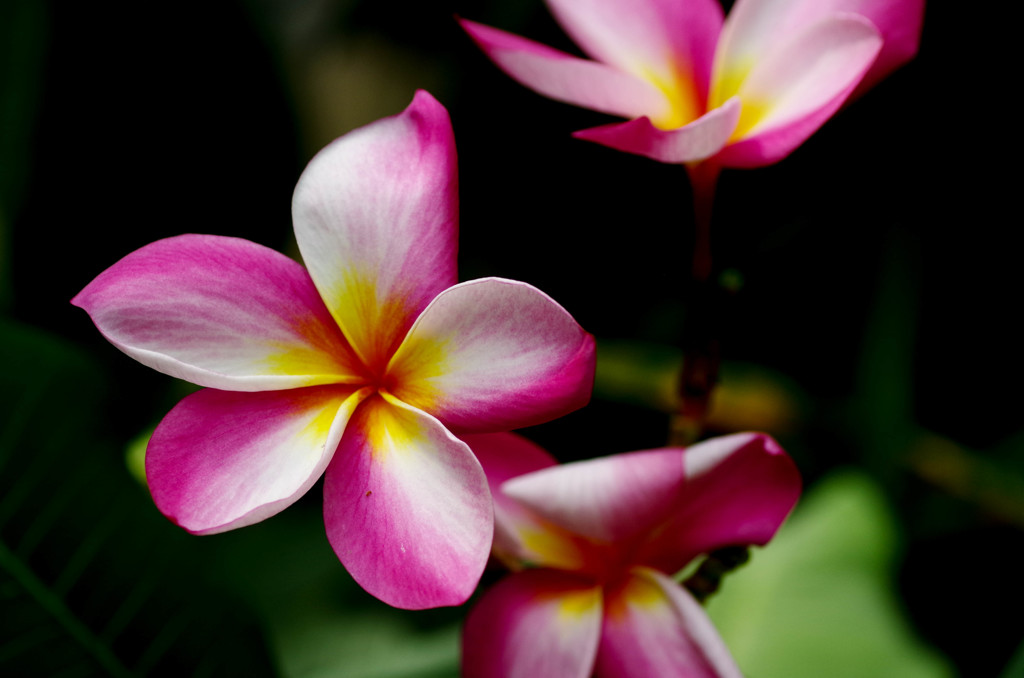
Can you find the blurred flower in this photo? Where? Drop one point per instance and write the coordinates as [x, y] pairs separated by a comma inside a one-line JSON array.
[[361, 367], [594, 545], [744, 90]]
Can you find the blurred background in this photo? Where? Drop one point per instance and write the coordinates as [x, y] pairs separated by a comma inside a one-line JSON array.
[[872, 328]]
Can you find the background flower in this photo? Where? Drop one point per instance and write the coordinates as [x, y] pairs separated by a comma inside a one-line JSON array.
[[746, 91]]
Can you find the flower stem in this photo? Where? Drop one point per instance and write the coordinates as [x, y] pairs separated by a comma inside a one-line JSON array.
[[700, 339], [703, 179]]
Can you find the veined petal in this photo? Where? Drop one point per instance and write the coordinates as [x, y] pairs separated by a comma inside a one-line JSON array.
[[566, 78], [608, 499], [407, 508], [738, 491], [667, 42], [220, 312], [652, 627], [754, 27], [221, 460], [794, 89], [533, 624], [376, 220], [493, 355], [699, 140], [521, 537]]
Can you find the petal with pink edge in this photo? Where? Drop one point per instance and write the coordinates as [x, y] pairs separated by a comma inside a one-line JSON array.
[[220, 312], [376, 220], [522, 537], [899, 22], [407, 508], [666, 42], [754, 27], [652, 627], [609, 499], [694, 142], [738, 491], [793, 90], [533, 624], [492, 355], [504, 456], [221, 460], [566, 78]]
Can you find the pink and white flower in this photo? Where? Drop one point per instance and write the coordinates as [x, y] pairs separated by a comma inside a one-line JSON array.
[[364, 367], [744, 91], [594, 545]]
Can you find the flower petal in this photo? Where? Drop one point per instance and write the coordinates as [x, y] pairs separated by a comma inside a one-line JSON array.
[[219, 312], [754, 26], [652, 627], [899, 22], [376, 220], [738, 491], [795, 88], [608, 499], [566, 78], [493, 355], [666, 42], [407, 508], [694, 142], [221, 460], [533, 624], [521, 537]]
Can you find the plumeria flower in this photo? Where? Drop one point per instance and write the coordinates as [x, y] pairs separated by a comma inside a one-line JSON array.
[[594, 545], [744, 91], [363, 368]]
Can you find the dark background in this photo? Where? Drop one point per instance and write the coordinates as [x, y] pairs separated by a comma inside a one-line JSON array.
[[878, 273]]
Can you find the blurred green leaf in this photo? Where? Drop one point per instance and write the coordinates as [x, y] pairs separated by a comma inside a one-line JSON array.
[[991, 480], [1015, 669], [319, 621], [882, 415], [92, 580], [23, 34], [819, 601], [748, 397]]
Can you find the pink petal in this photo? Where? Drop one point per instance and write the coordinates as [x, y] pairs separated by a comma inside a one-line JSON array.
[[652, 627], [407, 508], [492, 355], [794, 89], [504, 456], [221, 460], [738, 491], [899, 22], [566, 78], [694, 142], [533, 624], [376, 219], [755, 27], [609, 499], [521, 537], [667, 42], [219, 312]]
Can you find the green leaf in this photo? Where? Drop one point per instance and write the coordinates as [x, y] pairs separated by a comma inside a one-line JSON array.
[[93, 581], [819, 600], [882, 414], [1015, 669], [23, 34], [748, 397], [319, 621]]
